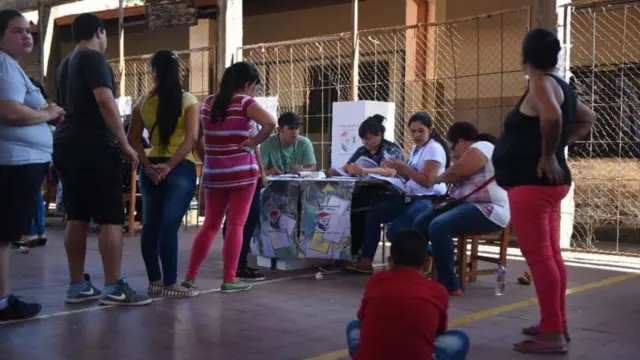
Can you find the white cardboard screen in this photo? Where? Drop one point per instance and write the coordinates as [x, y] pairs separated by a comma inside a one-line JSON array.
[[269, 103], [347, 117]]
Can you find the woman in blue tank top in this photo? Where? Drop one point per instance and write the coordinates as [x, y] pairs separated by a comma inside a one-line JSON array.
[[530, 163]]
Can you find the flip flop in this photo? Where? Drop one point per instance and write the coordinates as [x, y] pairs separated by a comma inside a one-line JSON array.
[[536, 346]]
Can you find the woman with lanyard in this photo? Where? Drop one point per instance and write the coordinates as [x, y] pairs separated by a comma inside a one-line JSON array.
[[429, 159]]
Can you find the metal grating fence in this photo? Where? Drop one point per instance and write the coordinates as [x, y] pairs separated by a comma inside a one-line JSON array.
[[461, 70], [604, 43], [197, 69]]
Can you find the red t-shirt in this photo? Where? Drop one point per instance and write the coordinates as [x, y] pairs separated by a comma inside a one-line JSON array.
[[401, 313]]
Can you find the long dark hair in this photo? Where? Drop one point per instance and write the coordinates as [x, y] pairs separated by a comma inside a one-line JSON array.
[[168, 88], [235, 78], [5, 18], [469, 132], [372, 125], [426, 120]]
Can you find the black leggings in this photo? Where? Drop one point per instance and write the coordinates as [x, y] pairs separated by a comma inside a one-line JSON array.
[[19, 186]]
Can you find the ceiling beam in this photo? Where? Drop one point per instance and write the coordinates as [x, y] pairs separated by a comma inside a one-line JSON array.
[[26, 5]]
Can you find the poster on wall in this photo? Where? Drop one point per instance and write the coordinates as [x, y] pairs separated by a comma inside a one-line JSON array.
[[277, 233], [325, 222]]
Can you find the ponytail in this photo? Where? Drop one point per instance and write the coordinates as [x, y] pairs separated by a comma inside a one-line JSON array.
[[435, 136], [235, 78], [169, 91], [223, 97], [486, 137]]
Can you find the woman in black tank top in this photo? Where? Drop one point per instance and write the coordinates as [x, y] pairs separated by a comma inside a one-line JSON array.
[[530, 163]]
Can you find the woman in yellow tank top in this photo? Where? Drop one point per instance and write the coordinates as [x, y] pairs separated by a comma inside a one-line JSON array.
[[167, 184]]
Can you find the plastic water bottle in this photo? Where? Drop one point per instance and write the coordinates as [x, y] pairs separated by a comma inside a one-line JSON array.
[[501, 280]]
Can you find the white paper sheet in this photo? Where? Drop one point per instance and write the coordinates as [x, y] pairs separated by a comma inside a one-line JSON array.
[[281, 238], [341, 172], [335, 228], [366, 163], [397, 183]]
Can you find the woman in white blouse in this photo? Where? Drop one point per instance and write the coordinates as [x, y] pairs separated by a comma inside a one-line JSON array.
[[483, 206], [429, 159]]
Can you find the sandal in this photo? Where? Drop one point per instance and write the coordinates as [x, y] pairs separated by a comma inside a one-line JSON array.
[[534, 330], [537, 346], [525, 279], [359, 268]]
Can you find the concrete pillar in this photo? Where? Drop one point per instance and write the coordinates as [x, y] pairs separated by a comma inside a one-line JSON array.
[[544, 13], [201, 36], [229, 34], [46, 21], [420, 56]]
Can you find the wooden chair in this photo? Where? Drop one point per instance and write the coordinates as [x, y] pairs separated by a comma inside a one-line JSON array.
[[132, 197], [196, 202], [467, 264]]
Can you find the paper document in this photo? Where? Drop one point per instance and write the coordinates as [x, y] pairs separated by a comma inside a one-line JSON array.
[[283, 176], [397, 183], [366, 163], [341, 172]]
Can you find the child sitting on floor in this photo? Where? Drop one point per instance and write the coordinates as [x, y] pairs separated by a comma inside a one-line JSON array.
[[403, 314]]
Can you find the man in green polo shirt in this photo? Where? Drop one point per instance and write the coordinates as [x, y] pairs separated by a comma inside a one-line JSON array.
[[287, 152]]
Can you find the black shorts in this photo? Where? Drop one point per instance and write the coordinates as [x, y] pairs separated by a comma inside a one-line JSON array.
[[91, 177], [19, 186]]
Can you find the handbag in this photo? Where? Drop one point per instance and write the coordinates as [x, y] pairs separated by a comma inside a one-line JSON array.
[[451, 203]]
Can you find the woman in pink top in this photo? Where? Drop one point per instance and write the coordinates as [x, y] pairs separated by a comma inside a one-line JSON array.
[[230, 170]]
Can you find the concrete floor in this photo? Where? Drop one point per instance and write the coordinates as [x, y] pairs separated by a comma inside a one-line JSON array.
[[291, 316]]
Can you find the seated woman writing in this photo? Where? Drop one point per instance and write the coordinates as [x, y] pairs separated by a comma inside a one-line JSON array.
[[375, 149], [478, 204], [429, 159]]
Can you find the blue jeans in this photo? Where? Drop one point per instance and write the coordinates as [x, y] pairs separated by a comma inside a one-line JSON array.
[[249, 229], [389, 209], [452, 345], [440, 228], [164, 206], [37, 226]]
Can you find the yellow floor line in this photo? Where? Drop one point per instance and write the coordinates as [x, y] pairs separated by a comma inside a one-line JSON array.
[[484, 314]]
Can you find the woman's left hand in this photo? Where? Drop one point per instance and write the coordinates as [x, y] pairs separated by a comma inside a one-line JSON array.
[[549, 168], [162, 169], [395, 164], [355, 170]]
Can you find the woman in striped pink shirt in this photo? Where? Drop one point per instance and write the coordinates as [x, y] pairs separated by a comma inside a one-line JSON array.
[[230, 170]]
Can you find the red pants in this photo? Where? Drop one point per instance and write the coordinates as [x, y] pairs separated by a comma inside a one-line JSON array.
[[216, 202], [535, 216]]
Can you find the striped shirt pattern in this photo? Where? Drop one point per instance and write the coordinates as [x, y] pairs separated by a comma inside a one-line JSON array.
[[226, 164]]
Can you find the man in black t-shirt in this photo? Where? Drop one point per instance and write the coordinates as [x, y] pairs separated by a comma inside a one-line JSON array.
[[87, 158]]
